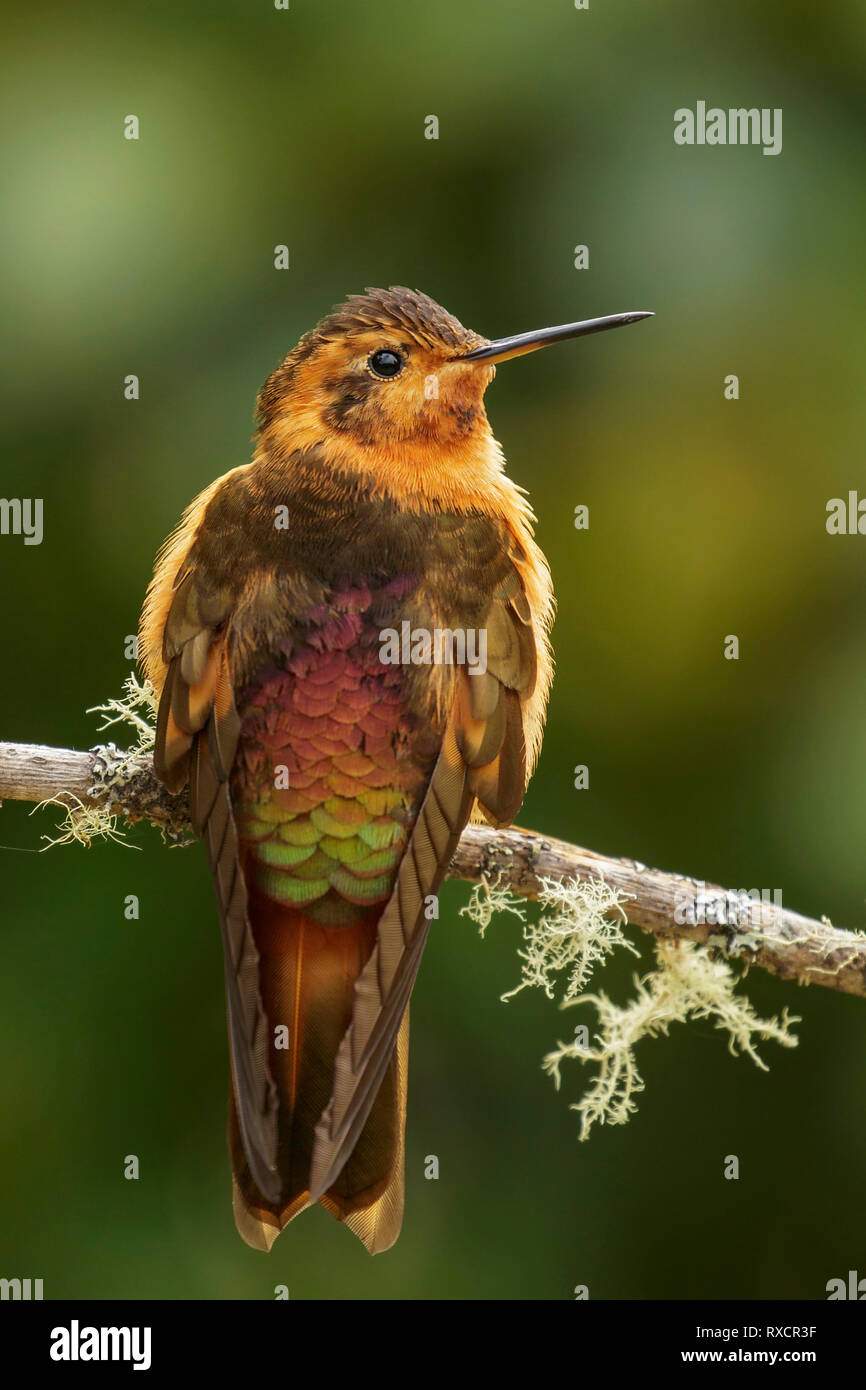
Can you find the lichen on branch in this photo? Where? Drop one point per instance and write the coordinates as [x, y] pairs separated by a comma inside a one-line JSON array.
[[580, 924], [572, 936], [86, 821]]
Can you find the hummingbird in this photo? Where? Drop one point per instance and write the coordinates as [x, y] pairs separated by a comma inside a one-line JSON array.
[[329, 781]]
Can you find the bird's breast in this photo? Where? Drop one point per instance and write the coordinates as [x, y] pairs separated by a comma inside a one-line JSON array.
[[335, 750]]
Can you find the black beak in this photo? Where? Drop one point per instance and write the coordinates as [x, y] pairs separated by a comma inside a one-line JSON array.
[[503, 348]]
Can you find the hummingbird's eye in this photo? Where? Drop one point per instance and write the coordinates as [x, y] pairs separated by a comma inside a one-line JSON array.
[[385, 362]]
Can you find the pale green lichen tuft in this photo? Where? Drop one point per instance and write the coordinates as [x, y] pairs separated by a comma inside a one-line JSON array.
[[139, 695], [135, 711], [580, 924], [488, 898], [574, 933], [81, 824], [686, 984]]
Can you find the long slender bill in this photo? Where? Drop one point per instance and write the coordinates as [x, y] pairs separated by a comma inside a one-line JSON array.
[[520, 343]]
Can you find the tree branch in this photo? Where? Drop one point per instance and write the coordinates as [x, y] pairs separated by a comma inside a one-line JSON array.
[[764, 934]]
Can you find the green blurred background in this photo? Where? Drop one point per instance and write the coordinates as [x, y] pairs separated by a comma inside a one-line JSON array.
[[306, 127]]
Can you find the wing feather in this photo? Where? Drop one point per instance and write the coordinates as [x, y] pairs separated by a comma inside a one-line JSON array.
[[197, 733], [383, 987]]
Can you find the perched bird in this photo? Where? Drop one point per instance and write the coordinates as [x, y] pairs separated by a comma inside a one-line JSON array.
[[329, 780]]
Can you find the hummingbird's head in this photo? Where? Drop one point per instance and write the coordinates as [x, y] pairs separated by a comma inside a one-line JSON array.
[[393, 384], [385, 368]]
